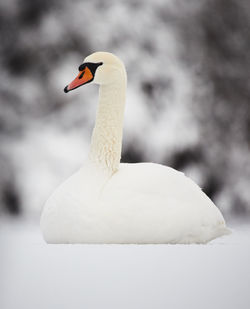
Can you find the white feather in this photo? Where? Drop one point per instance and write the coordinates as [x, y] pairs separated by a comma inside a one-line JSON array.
[[109, 202]]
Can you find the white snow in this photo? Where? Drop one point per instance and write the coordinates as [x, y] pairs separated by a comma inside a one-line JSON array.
[[37, 275]]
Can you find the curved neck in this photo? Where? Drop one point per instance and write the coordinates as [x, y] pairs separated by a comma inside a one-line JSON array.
[[106, 142]]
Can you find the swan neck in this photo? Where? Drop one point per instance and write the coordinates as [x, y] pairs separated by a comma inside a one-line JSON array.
[[106, 142]]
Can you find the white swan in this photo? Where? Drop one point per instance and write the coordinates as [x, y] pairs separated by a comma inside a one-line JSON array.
[[110, 202]]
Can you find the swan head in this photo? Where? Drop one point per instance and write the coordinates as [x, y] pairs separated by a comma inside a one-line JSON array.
[[100, 68]]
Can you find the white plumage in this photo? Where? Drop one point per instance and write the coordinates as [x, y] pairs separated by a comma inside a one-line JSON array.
[[109, 202]]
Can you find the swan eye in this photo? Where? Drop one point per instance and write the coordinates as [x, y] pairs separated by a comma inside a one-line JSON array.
[[92, 66], [82, 67]]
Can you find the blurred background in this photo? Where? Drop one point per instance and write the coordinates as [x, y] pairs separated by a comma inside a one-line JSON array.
[[188, 65], [188, 106]]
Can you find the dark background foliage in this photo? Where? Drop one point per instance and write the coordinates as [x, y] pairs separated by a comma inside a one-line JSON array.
[[188, 66]]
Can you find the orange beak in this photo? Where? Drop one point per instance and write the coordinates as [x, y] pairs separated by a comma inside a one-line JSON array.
[[85, 76]]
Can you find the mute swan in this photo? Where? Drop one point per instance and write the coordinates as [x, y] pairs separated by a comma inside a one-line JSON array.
[[111, 202]]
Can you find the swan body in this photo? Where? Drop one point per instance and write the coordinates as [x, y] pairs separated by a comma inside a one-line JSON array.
[[111, 202]]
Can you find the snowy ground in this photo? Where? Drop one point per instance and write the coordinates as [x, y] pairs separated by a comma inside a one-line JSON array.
[[36, 275]]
